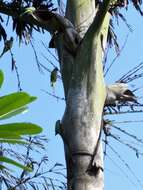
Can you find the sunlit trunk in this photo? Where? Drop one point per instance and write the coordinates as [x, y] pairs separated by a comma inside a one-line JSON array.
[[84, 87]]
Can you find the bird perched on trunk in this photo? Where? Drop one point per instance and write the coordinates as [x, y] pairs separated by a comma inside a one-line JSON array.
[[54, 76], [7, 46], [119, 93]]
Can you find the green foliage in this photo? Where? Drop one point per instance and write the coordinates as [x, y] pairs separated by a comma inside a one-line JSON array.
[[28, 10], [13, 113], [11, 105], [20, 128], [13, 162], [13, 141]]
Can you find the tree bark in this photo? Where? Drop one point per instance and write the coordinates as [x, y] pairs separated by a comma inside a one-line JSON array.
[[85, 96]]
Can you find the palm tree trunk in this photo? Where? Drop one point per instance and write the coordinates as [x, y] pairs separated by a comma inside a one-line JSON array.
[[85, 94]]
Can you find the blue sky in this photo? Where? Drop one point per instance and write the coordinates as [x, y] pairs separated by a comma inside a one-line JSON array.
[[47, 110]]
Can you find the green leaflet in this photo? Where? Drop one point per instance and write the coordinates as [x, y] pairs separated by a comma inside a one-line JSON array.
[[5, 134], [13, 113], [28, 10], [11, 133], [13, 141], [14, 101], [20, 128], [13, 162]]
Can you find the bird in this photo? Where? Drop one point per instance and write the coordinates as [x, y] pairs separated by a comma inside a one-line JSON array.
[[7, 46], [119, 93], [54, 76]]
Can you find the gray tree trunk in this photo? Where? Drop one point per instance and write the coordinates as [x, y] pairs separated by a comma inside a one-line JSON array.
[[85, 94]]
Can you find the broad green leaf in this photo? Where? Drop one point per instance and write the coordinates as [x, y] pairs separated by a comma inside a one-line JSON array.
[[21, 128], [13, 162], [14, 101], [9, 135], [12, 141], [1, 78], [13, 113]]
